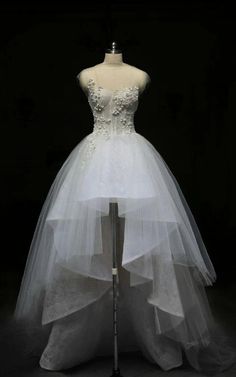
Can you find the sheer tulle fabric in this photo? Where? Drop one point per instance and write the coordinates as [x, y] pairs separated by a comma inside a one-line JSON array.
[[162, 250]]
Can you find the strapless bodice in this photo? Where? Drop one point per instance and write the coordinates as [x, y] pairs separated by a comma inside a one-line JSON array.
[[113, 110]]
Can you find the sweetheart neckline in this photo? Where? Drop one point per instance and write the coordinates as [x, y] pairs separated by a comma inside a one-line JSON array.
[[112, 91]]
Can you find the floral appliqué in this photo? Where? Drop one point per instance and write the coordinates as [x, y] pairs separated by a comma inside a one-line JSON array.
[[122, 108]]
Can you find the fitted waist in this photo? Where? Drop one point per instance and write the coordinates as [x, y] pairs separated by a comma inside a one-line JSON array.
[[106, 126]]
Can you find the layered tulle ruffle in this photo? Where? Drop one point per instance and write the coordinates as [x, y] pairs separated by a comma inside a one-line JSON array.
[[162, 246]]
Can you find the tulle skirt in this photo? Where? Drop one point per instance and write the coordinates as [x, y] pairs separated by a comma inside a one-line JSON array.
[[68, 270]]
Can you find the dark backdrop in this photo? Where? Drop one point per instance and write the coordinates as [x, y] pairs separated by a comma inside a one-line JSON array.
[[188, 112]]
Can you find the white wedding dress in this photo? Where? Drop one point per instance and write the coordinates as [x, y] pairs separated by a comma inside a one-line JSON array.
[[163, 263]]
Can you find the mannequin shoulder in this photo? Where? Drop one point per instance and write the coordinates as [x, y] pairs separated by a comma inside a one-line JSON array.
[[142, 78], [83, 77]]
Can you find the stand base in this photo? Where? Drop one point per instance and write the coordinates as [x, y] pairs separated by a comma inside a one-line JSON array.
[[116, 373]]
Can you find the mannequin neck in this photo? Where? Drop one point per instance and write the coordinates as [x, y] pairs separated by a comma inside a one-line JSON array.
[[113, 59]]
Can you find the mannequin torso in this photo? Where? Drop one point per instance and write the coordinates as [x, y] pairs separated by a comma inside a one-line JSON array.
[[113, 74]]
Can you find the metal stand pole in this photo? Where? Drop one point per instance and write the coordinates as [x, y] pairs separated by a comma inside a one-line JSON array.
[[114, 215]]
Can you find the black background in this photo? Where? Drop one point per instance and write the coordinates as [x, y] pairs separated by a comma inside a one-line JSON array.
[[187, 113]]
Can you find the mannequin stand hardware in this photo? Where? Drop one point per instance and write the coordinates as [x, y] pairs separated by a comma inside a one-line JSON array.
[[113, 215]]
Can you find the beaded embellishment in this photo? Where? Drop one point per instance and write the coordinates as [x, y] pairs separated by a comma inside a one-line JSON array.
[[95, 95], [128, 96], [121, 108], [122, 98]]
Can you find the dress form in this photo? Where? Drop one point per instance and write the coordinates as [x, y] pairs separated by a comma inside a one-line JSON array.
[[113, 74]]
